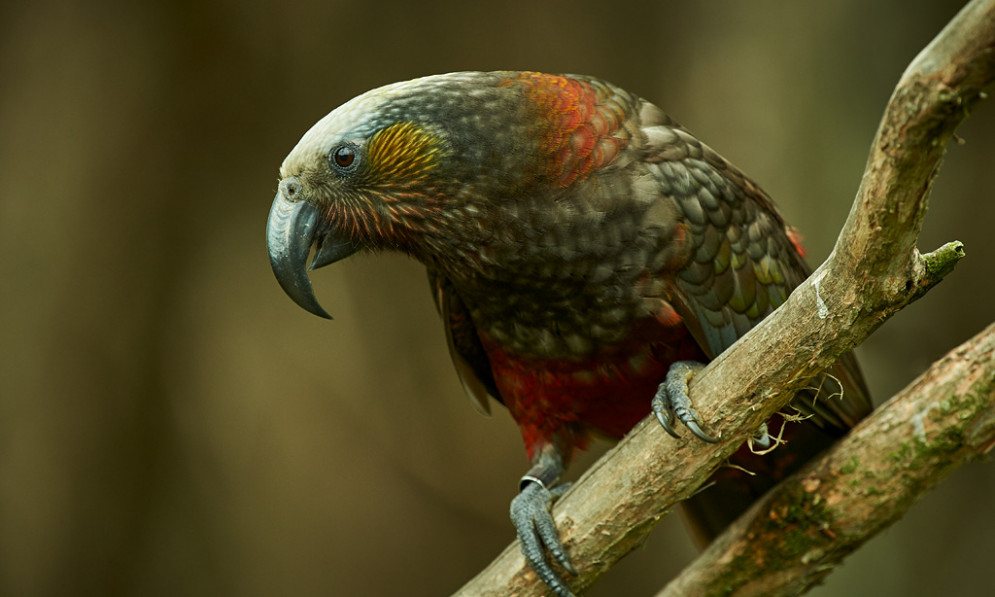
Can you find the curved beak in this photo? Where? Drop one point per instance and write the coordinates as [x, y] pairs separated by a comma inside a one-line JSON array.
[[292, 229]]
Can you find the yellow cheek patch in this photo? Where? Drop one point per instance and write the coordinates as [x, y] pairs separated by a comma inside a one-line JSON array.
[[402, 153]]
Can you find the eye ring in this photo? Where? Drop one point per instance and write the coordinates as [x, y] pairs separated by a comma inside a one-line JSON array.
[[343, 158]]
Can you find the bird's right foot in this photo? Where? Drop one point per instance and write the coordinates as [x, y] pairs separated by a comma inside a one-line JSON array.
[[673, 403]]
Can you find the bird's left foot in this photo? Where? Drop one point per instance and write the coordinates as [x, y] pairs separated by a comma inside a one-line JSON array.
[[530, 513], [672, 402]]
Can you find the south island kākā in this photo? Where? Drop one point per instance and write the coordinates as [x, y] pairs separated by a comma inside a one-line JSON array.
[[586, 252]]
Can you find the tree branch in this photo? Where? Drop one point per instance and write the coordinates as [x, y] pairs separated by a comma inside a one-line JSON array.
[[874, 270], [799, 531]]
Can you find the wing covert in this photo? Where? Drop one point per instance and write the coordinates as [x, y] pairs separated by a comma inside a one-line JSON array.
[[743, 261]]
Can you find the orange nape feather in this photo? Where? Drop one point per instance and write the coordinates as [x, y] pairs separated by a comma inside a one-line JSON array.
[[583, 127], [402, 154]]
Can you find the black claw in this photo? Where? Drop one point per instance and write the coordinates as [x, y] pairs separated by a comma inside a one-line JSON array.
[[697, 431], [664, 417], [663, 412]]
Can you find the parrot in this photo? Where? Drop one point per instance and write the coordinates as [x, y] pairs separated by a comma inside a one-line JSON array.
[[587, 255]]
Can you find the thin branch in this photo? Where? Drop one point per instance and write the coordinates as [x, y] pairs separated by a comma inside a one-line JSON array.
[[874, 271], [793, 538]]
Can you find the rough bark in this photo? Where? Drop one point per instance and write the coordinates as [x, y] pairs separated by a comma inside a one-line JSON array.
[[793, 537], [874, 270]]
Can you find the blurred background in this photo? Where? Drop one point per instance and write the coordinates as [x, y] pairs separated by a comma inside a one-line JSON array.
[[172, 424]]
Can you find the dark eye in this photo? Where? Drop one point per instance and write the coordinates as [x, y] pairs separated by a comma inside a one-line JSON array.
[[344, 156]]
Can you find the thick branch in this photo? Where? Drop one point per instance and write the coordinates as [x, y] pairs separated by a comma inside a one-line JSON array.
[[791, 539], [873, 272]]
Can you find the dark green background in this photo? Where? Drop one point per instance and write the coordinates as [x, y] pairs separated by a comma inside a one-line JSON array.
[[172, 424]]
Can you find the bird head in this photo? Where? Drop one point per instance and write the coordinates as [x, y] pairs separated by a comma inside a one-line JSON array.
[[360, 178], [428, 167]]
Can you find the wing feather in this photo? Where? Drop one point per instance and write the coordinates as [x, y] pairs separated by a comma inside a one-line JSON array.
[[472, 364], [742, 263]]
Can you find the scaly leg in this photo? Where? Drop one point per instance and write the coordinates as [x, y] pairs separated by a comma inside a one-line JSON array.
[[530, 513]]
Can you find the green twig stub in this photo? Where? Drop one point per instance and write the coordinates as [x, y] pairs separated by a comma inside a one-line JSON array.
[[941, 262]]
